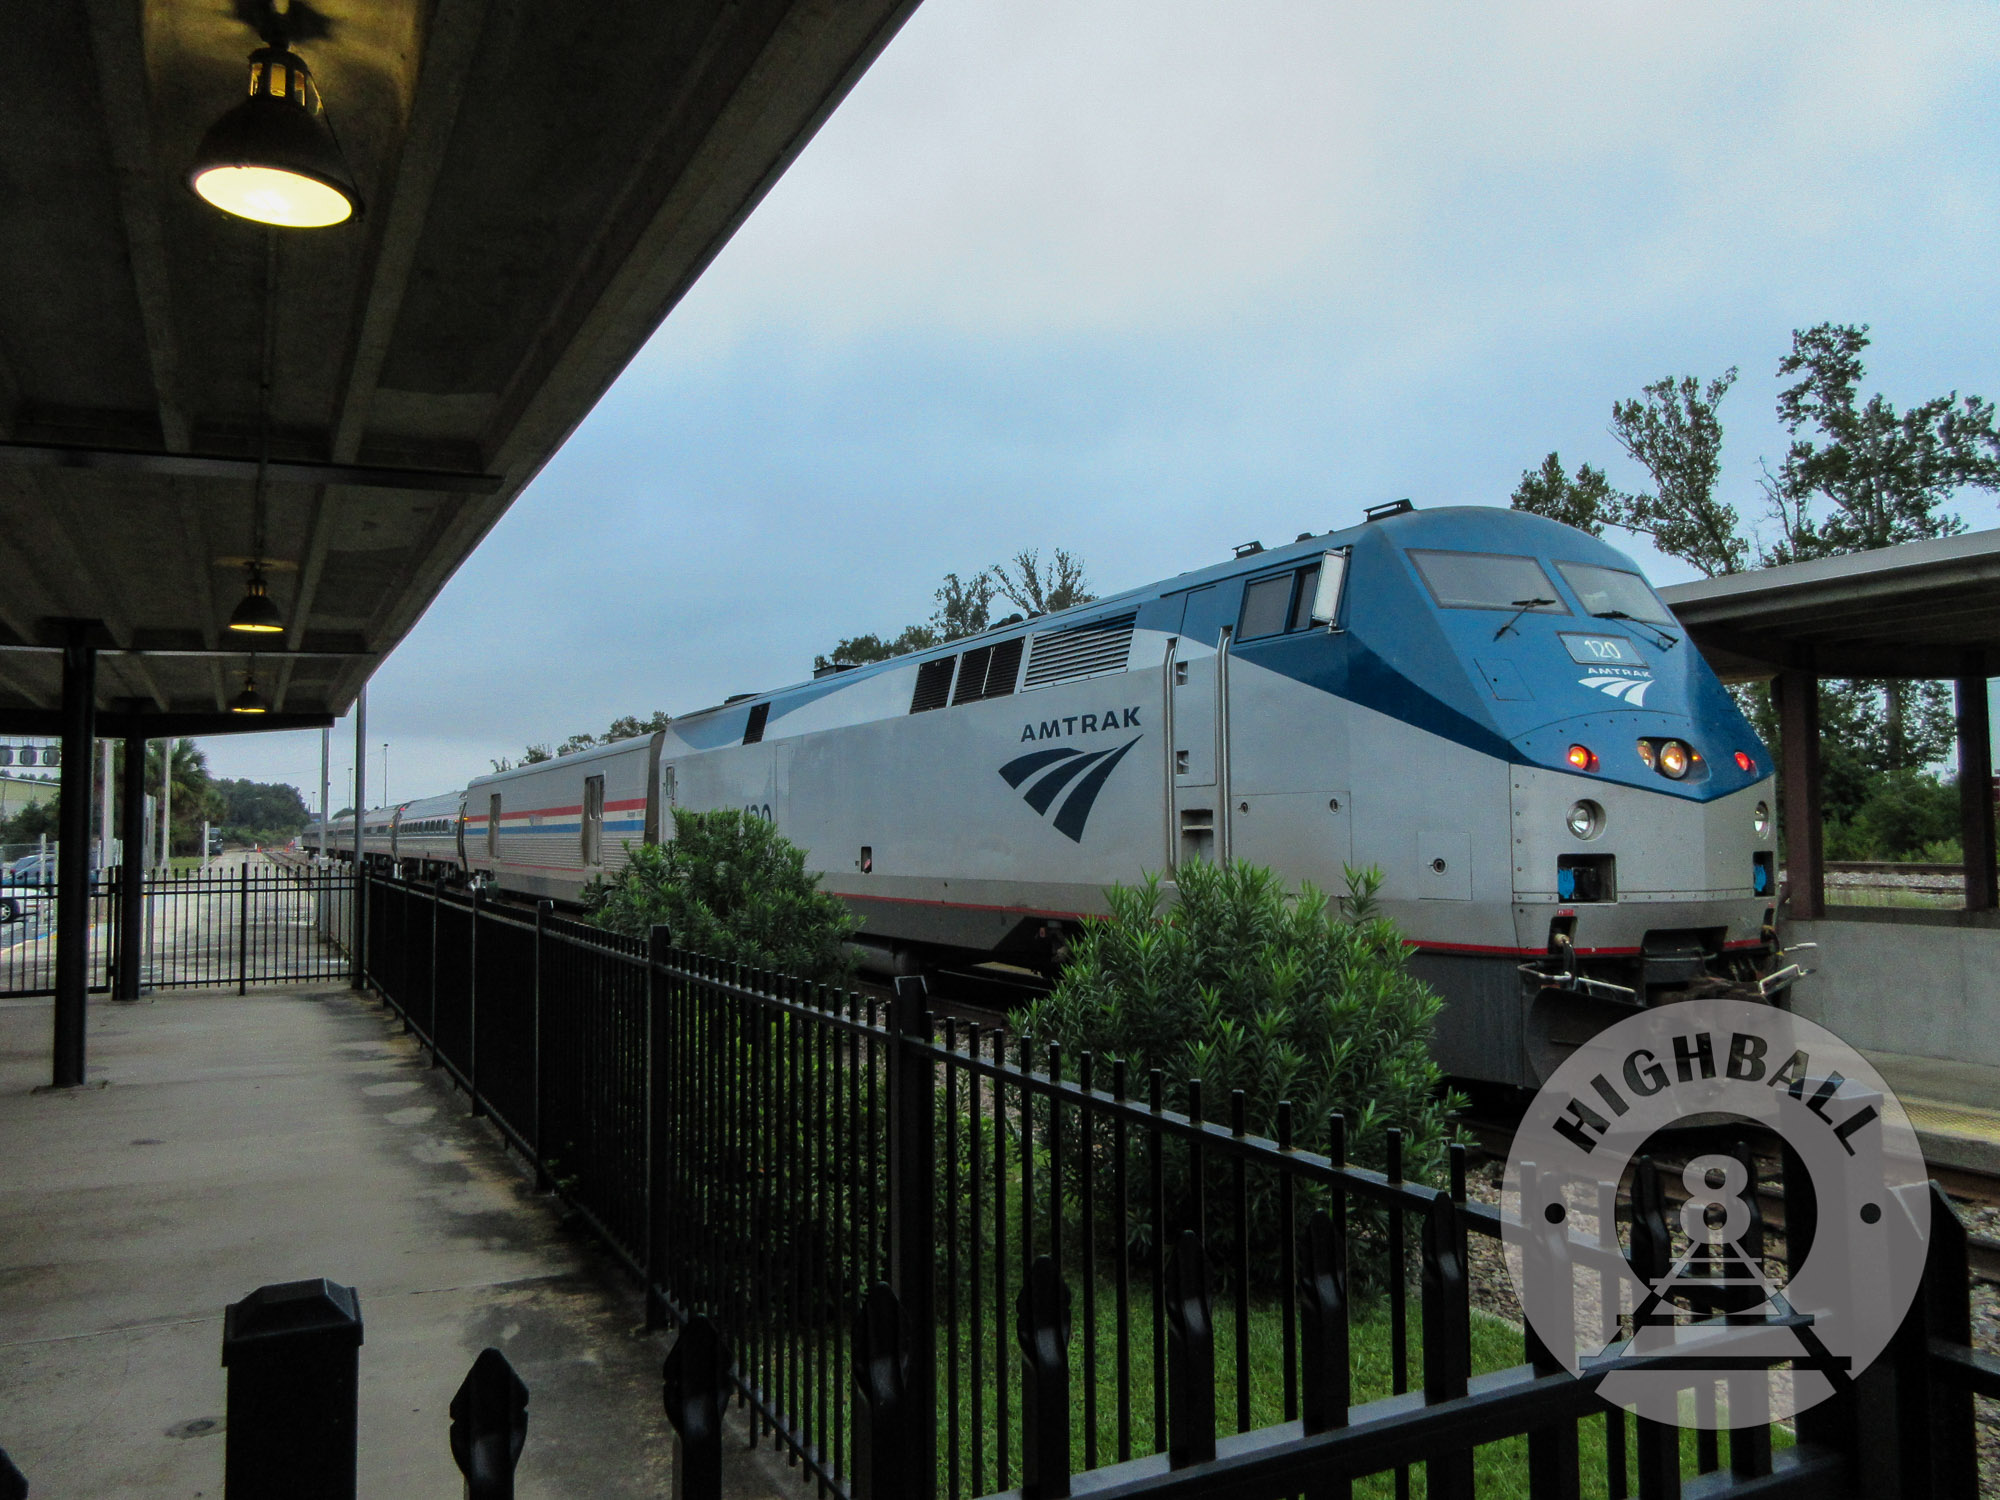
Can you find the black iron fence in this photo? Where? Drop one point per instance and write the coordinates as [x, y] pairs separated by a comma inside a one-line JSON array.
[[250, 923], [1084, 1279]]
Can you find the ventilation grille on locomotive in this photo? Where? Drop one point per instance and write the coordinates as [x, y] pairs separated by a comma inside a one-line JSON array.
[[1081, 651], [988, 671], [933, 685]]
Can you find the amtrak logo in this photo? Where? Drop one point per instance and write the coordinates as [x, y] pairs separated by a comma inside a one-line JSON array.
[[1631, 689], [1050, 771]]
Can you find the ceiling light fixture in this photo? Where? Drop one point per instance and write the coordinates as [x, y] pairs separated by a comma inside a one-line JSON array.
[[249, 701], [256, 614], [273, 158]]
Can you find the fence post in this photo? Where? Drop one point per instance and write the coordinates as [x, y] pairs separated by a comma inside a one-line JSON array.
[[1447, 1339], [1546, 1265], [292, 1351], [1190, 1355], [1749, 1392], [692, 1383], [1947, 1308], [1327, 1390], [542, 910], [243, 926], [885, 1467], [1042, 1327], [658, 941], [472, 1002], [489, 1427], [1658, 1445], [913, 1218]]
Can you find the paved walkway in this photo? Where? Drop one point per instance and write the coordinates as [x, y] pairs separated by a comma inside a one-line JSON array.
[[1955, 1107], [228, 1142]]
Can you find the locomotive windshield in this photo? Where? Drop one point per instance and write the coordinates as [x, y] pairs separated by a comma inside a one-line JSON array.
[[1489, 580], [1613, 592]]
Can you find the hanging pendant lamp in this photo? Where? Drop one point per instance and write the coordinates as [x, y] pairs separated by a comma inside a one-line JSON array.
[[273, 158], [256, 614], [249, 701]]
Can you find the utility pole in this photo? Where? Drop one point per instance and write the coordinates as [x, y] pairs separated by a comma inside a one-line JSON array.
[[167, 804], [325, 765], [385, 773], [104, 819]]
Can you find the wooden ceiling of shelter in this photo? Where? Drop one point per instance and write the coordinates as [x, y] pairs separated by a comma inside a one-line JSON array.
[[1922, 609], [541, 184]]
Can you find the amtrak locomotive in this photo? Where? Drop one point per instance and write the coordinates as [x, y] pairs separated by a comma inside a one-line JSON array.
[[1570, 814]]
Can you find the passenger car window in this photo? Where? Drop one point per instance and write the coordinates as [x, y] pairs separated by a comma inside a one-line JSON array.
[[1488, 580], [1612, 591]]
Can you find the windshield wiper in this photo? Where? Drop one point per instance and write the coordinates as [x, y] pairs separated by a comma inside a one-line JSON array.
[[1667, 642], [1521, 607]]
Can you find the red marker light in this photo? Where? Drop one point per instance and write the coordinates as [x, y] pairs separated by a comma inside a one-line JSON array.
[[1744, 762], [1582, 758]]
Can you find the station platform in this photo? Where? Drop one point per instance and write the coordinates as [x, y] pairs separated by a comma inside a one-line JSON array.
[[222, 1143], [1955, 1107]]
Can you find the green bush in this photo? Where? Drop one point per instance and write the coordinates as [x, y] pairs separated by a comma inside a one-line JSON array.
[[728, 886], [1288, 997], [1902, 815]]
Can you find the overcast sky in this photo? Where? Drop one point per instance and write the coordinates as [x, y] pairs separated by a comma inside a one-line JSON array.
[[1146, 280]]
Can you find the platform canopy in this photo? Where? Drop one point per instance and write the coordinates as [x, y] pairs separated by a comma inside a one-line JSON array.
[[1920, 610], [1908, 611], [539, 185]]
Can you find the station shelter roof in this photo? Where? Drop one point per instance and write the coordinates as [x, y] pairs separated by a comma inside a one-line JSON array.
[[1914, 610], [540, 184]]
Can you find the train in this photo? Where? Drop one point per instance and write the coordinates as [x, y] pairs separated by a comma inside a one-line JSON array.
[[1571, 816]]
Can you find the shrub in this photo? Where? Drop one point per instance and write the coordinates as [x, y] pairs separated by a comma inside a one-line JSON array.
[[728, 886], [1243, 985]]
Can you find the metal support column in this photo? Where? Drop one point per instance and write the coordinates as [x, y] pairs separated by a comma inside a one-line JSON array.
[[1975, 784], [1797, 690], [79, 723], [359, 950], [132, 871]]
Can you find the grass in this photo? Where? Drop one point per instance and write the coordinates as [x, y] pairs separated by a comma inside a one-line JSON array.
[[1501, 1468]]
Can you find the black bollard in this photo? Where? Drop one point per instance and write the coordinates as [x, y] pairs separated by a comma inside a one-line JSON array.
[[489, 1427], [12, 1485], [293, 1352], [692, 1382]]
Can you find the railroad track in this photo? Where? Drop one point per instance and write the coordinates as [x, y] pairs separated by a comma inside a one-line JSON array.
[[1493, 1138]]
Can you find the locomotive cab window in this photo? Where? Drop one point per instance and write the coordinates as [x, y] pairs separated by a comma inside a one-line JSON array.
[[593, 820], [1488, 580], [1282, 603], [1612, 592]]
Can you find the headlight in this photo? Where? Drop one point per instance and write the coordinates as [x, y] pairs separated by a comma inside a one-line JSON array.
[[1646, 754], [1674, 759], [1586, 820], [1760, 819]]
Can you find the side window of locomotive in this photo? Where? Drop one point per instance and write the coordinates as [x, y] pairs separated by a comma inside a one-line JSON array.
[[593, 820], [493, 826], [1267, 605], [1277, 606], [1488, 580], [1612, 591]]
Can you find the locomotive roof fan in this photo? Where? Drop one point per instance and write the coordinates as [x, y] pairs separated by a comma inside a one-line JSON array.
[[273, 158]]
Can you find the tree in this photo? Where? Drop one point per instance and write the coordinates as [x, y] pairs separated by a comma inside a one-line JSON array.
[[965, 607], [260, 812], [1043, 592], [624, 727], [1886, 477], [1676, 437], [729, 886], [1586, 502], [1882, 479]]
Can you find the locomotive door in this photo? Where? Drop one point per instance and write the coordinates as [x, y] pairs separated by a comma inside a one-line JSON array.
[[1200, 826]]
